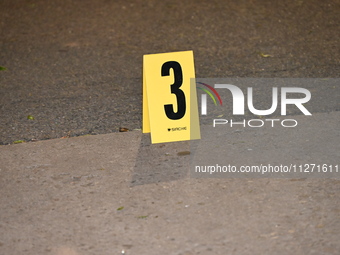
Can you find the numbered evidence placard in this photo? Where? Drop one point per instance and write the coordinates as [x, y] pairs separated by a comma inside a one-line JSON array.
[[170, 109]]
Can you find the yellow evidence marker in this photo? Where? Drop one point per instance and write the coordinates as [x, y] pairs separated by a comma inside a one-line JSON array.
[[170, 111]]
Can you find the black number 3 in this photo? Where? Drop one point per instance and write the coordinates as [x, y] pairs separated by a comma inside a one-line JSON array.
[[175, 89]]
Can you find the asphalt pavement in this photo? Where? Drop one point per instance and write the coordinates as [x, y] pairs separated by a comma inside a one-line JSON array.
[[76, 66]]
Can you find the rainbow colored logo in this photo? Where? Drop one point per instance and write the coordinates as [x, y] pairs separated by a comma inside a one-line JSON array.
[[206, 90]]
